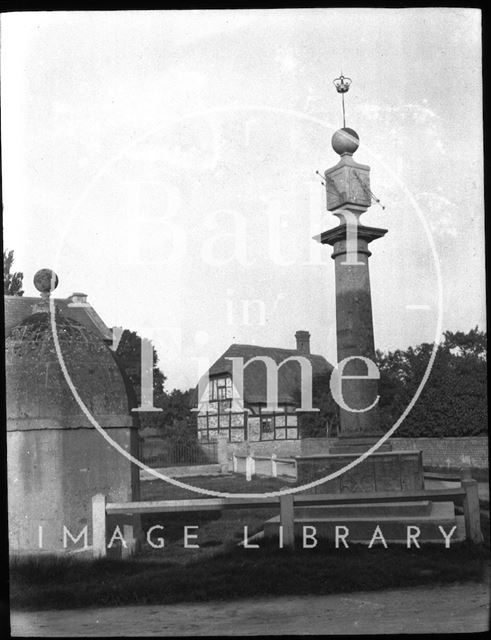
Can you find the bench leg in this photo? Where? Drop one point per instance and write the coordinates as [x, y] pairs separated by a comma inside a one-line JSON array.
[[471, 511], [287, 520]]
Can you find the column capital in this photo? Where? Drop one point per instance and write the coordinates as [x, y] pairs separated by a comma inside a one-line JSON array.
[[339, 233], [352, 239]]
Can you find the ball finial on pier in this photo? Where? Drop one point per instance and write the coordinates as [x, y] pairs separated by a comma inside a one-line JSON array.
[[45, 281], [345, 141]]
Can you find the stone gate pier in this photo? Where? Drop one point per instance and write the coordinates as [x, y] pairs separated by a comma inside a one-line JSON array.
[[56, 459]]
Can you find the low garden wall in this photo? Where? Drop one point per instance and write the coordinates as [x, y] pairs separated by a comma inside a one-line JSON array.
[[282, 448], [450, 453]]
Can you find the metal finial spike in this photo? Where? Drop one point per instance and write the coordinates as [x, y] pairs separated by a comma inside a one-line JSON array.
[[322, 178]]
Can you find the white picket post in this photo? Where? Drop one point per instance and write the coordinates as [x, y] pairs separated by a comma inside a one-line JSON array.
[[235, 464], [274, 466]]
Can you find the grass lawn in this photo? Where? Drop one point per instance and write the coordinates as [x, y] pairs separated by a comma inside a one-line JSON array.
[[217, 531], [222, 570]]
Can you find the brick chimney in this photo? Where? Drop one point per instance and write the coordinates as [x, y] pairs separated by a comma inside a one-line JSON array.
[[78, 299], [303, 341]]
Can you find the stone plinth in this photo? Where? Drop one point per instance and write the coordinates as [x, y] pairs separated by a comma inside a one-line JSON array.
[[381, 471]]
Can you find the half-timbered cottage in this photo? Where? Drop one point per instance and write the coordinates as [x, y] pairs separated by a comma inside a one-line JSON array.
[[223, 410]]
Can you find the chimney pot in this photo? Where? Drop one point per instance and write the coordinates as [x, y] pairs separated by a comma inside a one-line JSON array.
[[78, 299], [303, 341]]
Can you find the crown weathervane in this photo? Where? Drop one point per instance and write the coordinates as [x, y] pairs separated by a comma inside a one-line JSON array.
[[342, 85]]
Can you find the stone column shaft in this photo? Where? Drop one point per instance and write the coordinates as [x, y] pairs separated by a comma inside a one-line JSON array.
[[354, 326]]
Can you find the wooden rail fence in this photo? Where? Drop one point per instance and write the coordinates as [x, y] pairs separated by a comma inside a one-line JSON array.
[[466, 494], [250, 463]]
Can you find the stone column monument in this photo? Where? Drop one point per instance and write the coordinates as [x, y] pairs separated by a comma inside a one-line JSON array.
[[348, 196], [384, 471]]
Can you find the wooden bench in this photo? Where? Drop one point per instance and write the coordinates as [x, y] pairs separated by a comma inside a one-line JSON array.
[[466, 495]]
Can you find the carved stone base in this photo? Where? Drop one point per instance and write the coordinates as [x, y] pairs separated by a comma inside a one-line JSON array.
[[381, 471]]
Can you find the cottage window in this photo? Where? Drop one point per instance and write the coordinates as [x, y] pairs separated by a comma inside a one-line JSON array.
[[220, 389]]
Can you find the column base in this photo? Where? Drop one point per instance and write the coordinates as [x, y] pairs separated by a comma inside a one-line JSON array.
[[380, 472]]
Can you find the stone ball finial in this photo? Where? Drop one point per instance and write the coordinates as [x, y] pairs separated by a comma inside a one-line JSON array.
[[45, 281], [345, 141]]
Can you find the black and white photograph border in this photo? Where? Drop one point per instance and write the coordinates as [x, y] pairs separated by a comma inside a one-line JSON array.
[[215, 423]]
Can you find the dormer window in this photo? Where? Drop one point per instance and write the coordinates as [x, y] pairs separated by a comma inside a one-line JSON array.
[[220, 389]]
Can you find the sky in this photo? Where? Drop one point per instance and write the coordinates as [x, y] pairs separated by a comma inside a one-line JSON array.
[[163, 163]]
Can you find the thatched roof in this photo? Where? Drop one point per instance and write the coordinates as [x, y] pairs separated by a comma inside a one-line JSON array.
[[289, 381]]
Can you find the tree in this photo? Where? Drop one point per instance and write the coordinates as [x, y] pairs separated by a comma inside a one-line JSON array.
[[12, 282], [175, 421], [454, 399], [326, 420], [128, 355]]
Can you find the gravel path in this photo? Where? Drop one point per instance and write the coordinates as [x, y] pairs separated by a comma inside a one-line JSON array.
[[455, 608]]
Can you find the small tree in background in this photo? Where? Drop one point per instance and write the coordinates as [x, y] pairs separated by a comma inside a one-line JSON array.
[[12, 282], [325, 421], [176, 421], [128, 355]]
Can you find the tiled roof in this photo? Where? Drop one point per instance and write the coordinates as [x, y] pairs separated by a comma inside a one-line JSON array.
[[18, 308], [289, 382]]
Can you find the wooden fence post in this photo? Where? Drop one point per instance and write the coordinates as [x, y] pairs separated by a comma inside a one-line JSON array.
[[287, 520], [253, 464], [274, 466], [466, 473], [129, 550], [234, 462], [99, 526], [471, 511]]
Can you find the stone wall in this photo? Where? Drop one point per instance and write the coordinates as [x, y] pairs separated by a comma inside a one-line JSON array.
[[437, 452], [448, 452], [310, 446], [282, 448]]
